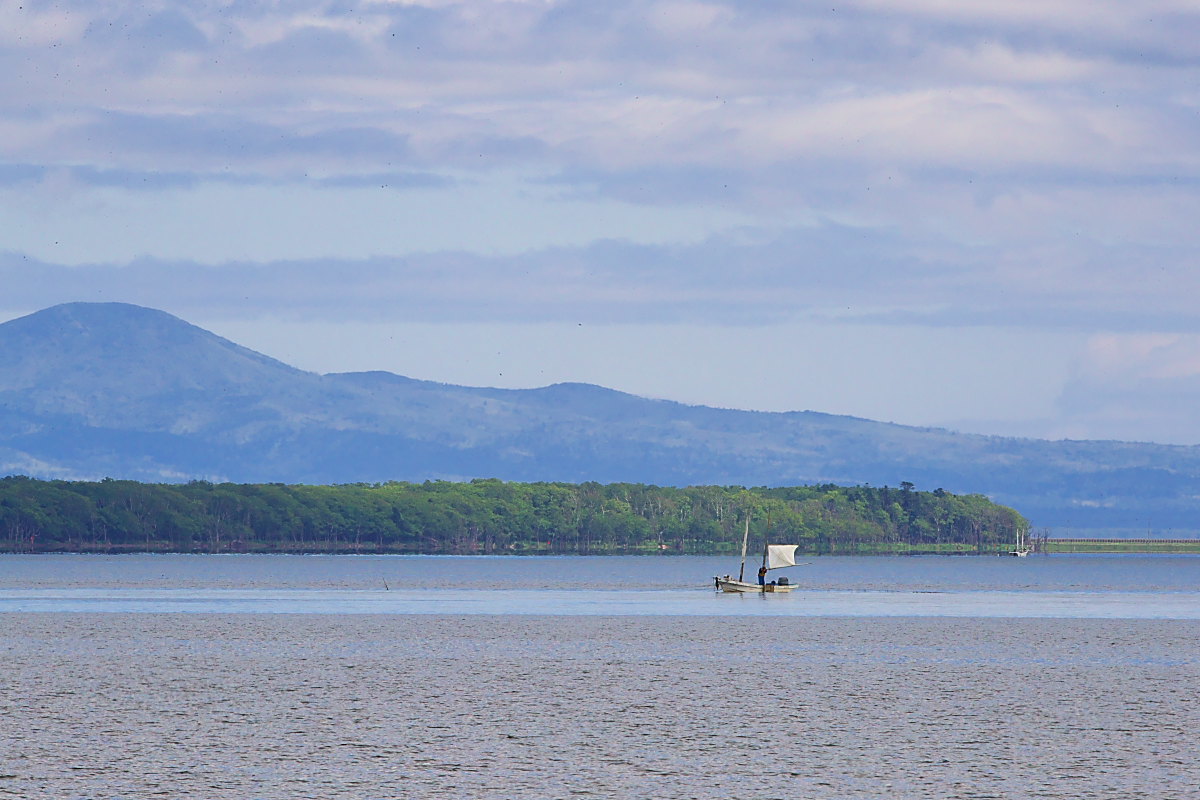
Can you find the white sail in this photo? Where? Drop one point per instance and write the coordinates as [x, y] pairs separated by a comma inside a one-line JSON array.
[[781, 555]]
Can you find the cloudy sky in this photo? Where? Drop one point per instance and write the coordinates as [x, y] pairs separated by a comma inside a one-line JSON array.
[[975, 215]]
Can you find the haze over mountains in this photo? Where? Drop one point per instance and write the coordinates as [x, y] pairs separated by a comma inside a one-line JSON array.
[[93, 390]]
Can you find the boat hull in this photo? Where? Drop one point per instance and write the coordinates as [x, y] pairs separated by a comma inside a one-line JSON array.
[[731, 586]]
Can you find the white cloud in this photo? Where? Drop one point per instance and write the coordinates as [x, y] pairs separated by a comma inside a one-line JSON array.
[[686, 82], [23, 26], [999, 62], [1072, 14], [1121, 359], [689, 18], [213, 223], [1135, 386]]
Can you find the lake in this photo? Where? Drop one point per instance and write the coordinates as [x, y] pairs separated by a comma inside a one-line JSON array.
[[618, 677], [1150, 587]]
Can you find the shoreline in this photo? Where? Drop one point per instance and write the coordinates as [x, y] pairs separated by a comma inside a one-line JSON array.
[[1050, 547]]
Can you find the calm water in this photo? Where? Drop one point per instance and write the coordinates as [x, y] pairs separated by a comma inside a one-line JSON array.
[[1059, 586], [1060, 677]]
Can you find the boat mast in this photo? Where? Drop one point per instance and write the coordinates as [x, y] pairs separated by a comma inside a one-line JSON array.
[[745, 539], [766, 539]]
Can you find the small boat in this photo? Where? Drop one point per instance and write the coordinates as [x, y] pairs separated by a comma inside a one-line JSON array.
[[1022, 549], [775, 556]]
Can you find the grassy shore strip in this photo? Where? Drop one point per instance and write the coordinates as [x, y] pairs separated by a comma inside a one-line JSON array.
[[1052, 546], [1165, 546], [692, 549]]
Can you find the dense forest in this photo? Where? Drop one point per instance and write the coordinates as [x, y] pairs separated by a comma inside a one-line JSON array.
[[489, 516]]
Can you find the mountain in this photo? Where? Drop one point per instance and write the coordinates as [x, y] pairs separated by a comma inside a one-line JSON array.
[[89, 390]]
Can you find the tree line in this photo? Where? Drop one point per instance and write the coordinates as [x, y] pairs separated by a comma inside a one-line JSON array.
[[490, 516]]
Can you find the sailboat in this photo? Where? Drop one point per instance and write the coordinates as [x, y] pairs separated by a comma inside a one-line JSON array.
[[775, 556], [1022, 549]]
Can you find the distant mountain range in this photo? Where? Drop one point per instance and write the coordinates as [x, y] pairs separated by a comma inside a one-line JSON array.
[[89, 390]]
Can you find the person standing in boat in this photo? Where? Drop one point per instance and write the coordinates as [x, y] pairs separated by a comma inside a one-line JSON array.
[[762, 575]]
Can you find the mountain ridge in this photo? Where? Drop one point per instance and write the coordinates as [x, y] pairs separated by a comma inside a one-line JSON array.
[[117, 390]]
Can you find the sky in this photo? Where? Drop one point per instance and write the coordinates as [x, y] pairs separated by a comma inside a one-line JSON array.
[[979, 216]]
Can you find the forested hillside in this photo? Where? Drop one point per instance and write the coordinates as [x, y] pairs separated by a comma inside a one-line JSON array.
[[489, 516]]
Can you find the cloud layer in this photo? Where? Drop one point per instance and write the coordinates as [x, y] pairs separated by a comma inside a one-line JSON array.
[[916, 163], [258, 89]]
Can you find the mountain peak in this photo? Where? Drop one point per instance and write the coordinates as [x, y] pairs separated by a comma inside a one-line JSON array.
[[107, 324], [81, 326], [90, 357], [99, 313]]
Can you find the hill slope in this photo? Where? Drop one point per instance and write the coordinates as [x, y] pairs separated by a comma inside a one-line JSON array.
[[93, 390]]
